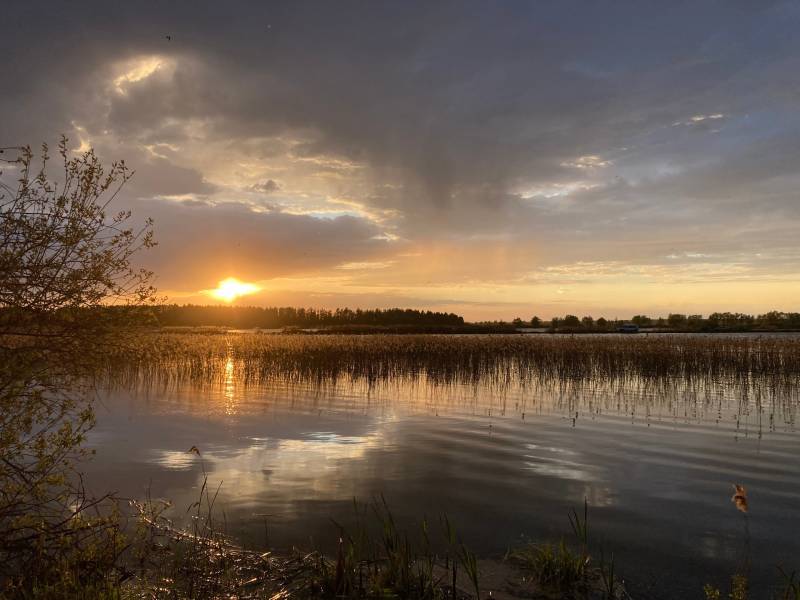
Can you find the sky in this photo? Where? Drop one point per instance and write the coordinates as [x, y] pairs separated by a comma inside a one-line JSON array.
[[494, 159]]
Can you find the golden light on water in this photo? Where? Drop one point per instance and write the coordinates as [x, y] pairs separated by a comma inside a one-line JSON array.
[[231, 288], [229, 387]]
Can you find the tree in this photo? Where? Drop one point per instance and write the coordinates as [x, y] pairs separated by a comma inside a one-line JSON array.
[[587, 322], [676, 321], [694, 321], [793, 320], [62, 259], [536, 322], [727, 320], [571, 321]]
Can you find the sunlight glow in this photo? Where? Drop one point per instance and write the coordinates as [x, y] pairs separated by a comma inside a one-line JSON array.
[[137, 70], [231, 288]]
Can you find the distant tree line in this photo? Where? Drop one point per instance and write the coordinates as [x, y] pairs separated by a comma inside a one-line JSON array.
[[718, 321], [407, 320], [247, 317]]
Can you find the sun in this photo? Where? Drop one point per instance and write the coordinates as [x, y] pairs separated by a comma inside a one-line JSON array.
[[231, 288]]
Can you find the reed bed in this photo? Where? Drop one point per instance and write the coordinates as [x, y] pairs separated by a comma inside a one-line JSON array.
[[496, 360], [752, 380]]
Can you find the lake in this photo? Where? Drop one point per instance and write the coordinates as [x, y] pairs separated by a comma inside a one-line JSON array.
[[506, 458]]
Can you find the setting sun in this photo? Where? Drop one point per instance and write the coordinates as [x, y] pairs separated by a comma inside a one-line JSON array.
[[231, 288]]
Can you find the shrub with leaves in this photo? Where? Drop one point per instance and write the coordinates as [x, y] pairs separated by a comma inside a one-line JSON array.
[[63, 258]]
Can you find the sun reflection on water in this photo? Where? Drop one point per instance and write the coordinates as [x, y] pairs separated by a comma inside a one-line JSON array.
[[229, 387]]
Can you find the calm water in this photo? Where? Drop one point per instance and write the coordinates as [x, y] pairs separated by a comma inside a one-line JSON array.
[[656, 466]]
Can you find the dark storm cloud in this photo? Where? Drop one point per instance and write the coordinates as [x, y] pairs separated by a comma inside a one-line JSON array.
[[559, 121]]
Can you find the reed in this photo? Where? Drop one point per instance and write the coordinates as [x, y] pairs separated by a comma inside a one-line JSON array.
[[374, 559], [790, 584], [568, 570], [683, 375], [478, 358]]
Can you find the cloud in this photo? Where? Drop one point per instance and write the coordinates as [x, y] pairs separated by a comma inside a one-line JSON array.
[[200, 244], [364, 265], [700, 119], [590, 161], [498, 139], [266, 187]]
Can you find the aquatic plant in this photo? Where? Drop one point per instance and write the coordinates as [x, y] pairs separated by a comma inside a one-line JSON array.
[[492, 359], [757, 379], [556, 566], [376, 558], [790, 582], [568, 571]]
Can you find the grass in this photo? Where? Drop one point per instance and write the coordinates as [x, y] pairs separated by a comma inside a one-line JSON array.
[[374, 559], [566, 570], [787, 587], [378, 559], [556, 566], [790, 584]]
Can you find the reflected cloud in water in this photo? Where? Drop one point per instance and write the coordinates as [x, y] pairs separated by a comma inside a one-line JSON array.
[[548, 461], [294, 470]]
